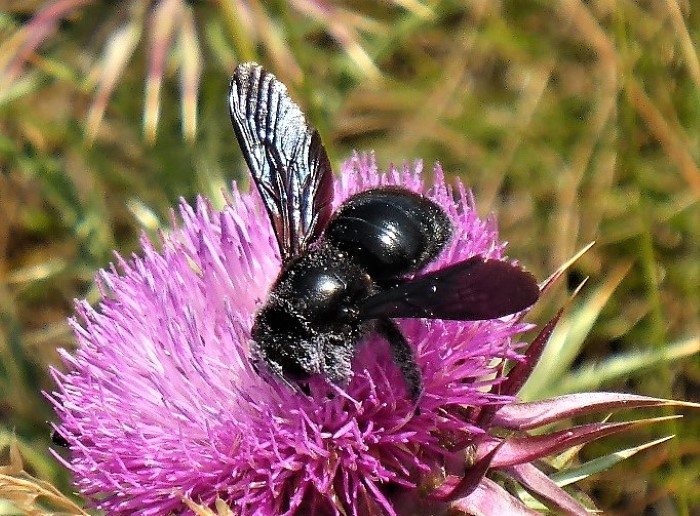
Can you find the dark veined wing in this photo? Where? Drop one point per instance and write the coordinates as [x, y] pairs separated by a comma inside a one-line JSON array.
[[473, 290], [285, 155]]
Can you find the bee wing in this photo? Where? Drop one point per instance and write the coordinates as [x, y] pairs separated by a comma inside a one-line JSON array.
[[285, 155], [472, 290]]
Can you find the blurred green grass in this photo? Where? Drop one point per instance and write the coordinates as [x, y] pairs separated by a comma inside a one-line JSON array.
[[572, 121]]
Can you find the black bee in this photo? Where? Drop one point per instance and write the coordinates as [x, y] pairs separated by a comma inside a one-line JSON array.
[[58, 439], [343, 274]]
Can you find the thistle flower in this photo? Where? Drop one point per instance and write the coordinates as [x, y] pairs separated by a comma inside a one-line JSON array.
[[161, 406]]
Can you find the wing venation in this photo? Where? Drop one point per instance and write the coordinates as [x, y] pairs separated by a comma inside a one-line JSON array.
[[285, 156]]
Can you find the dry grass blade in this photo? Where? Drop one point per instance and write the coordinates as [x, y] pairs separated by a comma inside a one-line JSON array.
[[15, 52], [525, 110], [118, 51], [190, 73], [31, 495], [415, 7], [691, 56], [343, 32], [269, 32], [166, 16], [235, 15], [672, 141]]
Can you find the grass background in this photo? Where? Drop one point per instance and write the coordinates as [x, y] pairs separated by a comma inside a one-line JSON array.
[[572, 121]]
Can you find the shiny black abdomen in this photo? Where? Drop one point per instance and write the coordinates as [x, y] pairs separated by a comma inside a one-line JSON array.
[[390, 231]]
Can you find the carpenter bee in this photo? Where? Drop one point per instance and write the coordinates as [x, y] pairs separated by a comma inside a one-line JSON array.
[[344, 274]]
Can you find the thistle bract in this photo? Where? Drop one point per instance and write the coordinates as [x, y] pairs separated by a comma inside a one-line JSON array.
[[160, 403]]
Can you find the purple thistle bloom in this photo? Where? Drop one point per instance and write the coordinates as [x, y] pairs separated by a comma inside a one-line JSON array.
[[160, 401]]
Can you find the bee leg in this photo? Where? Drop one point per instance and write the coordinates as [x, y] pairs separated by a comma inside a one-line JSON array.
[[403, 356]]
